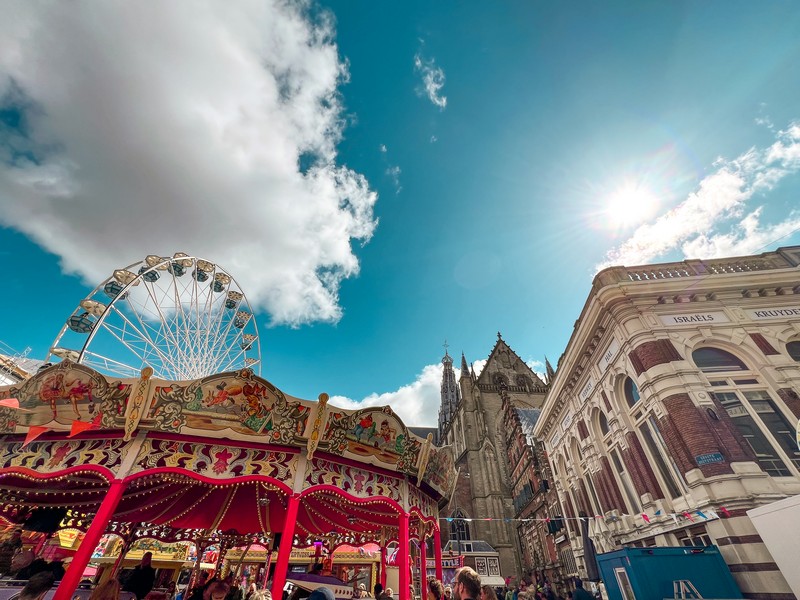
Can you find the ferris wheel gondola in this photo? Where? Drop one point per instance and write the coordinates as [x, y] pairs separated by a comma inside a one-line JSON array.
[[181, 315]]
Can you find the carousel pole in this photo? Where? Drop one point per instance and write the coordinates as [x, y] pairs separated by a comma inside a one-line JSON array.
[[74, 573], [437, 551], [285, 550], [423, 564], [403, 559], [383, 566]]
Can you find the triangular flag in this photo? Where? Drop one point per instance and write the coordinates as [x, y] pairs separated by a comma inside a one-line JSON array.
[[688, 516], [724, 511], [674, 517], [79, 427], [34, 431], [712, 514], [658, 513], [701, 514], [646, 518]]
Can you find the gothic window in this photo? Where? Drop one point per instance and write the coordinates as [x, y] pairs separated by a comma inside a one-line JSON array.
[[793, 348], [523, 381], [760, 419], [459, 528], [631, 391], [499, 379], [624, 477]]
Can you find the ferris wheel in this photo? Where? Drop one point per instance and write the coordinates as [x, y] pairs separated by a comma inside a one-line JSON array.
[[183, 316]]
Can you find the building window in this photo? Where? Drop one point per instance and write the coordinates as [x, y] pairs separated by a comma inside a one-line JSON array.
[[655, 444], [793, 348], [753, 411], [459, 528], [603, 424], [631, 392], [627, 484], [714, 360], [694, 536]]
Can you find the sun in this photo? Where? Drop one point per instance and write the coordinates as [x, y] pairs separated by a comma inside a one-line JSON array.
[[630, 204]]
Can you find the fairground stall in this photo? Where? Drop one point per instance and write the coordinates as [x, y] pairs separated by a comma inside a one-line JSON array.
[[182, 453]]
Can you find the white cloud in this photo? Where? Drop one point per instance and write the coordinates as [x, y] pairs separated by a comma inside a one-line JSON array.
[[434, 139], [196, 127], [417, 403], [432, 80], [394, 175], [383, 148], [715, 220]]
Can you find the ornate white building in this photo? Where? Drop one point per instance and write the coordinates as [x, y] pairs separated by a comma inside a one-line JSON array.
[[674, 409]]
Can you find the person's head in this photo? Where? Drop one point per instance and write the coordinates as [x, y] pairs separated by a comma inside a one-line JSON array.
[[448, 592], [377, 588], [37, 586], [466, 584], [171, 587], [147, 558], [106, 591], [322, 593], [435, 590], [390, 592], [216, 591], [488, 593]]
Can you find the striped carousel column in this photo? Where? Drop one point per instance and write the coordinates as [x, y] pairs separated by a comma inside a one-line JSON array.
[[403, 557], [285, 549]]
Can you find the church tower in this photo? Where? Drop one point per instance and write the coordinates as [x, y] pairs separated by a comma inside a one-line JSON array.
[[451, 395]]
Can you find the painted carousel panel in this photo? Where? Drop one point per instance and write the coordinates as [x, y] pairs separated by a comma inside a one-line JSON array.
[[62, 394], [374, 435], [239, 401], [215, 460], [356, 481]]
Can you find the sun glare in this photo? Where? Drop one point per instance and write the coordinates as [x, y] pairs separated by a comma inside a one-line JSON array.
[[630, 204]]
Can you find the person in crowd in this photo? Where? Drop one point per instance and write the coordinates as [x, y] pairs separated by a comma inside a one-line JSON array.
[[38, 585], [448, 592], [377, 590], [322, 593], [488, 593], [580, 593], [388, 593], [381, 593], [251, 592], [8, 549], [359, 591], [466, 584], [56, 567], [36, 565], [235, 591], [141, 580], [435, 590], [216, 590], [106, 591]]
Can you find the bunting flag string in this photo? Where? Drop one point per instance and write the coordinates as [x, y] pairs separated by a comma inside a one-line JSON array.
[[707, 514]]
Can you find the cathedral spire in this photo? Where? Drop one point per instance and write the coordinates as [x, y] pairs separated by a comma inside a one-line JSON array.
[[464, 367], [549, 371], [450, 393]]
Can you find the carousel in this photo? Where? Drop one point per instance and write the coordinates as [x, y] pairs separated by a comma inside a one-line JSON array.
[[151, 422]]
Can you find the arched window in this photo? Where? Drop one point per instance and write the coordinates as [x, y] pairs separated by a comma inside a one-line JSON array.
[[499, 379], [631, 391], [760, 419], [714, 360], [793, 348], [522, 381], [459, 528], [603, 422]]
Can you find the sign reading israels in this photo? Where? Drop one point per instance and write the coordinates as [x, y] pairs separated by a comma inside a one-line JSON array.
[[696, 318], [763, 314]]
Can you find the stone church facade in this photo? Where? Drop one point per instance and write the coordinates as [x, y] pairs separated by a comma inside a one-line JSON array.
[[471, 420]]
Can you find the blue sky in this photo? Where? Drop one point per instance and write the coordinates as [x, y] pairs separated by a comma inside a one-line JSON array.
[[381, 177]]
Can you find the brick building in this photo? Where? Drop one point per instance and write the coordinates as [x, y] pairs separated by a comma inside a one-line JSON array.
[[673, 410]]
